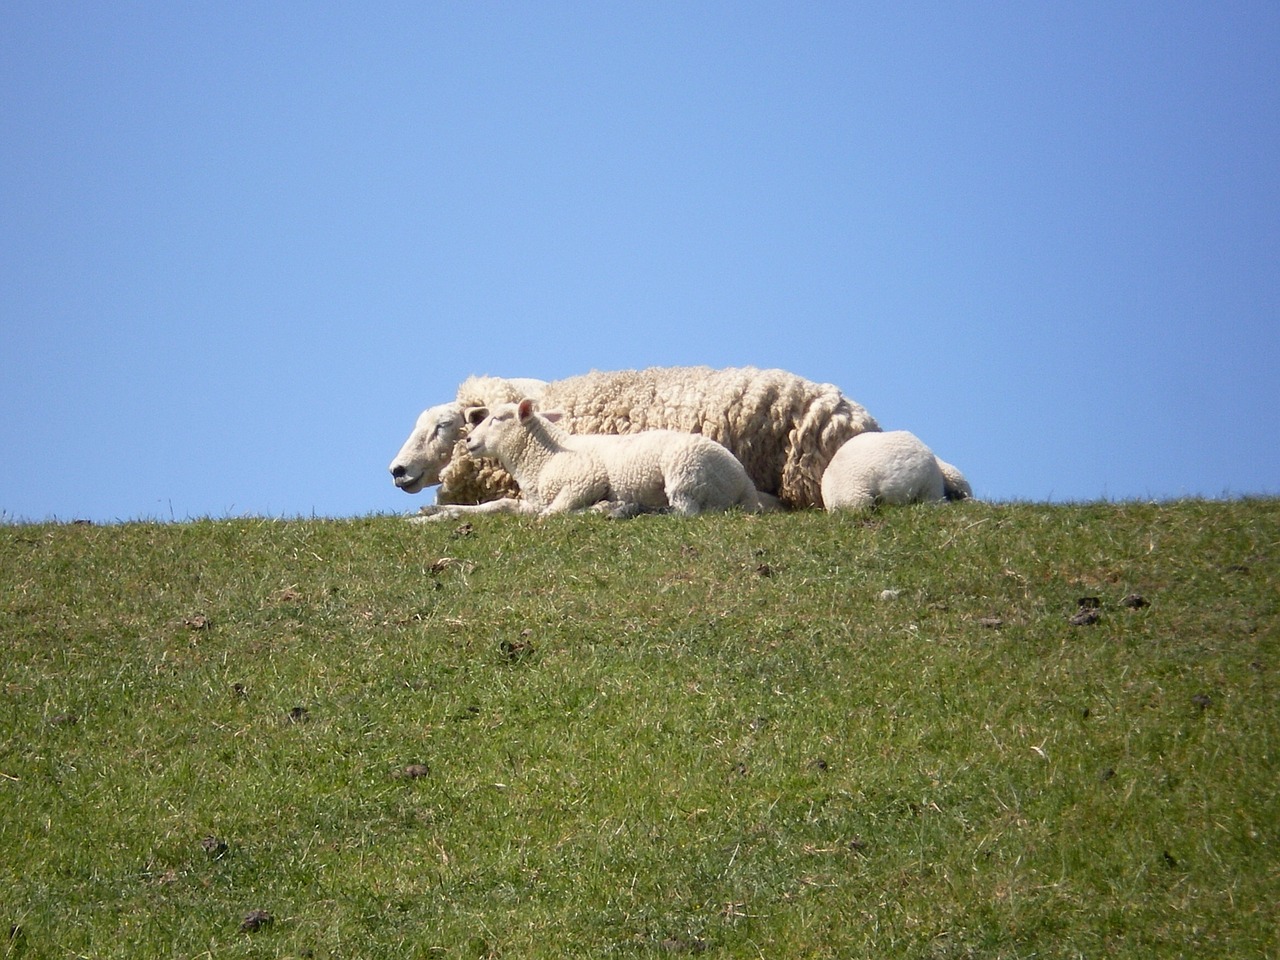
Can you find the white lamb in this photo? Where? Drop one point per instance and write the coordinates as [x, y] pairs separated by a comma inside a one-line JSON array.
[[890, 467], [560, 472], [783, 428]]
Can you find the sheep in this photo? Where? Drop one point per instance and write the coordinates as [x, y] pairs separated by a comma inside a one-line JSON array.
[[889, 467], [783, 428], [560, 472]]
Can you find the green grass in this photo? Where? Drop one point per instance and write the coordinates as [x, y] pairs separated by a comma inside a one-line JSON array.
[[660, 737]]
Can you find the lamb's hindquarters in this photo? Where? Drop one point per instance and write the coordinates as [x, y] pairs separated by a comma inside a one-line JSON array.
[[701, 476]]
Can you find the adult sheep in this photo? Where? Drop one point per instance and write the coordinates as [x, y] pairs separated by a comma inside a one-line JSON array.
[[890, 467], [560, 472], [783, 428]]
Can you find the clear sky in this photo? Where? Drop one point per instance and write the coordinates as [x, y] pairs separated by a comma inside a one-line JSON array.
[[242, 245]]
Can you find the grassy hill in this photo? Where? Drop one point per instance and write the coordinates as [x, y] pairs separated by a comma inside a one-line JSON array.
[[786, 736]]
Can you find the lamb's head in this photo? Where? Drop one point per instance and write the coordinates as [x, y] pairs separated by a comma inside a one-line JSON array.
[[424, 454], [495, 432], [492, 430]]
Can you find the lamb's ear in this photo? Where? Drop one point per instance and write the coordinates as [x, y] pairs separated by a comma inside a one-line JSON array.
[[555, 416], [474, 415], [525, 410]]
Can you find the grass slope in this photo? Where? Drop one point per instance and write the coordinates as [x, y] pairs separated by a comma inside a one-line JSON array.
[[784, 736]]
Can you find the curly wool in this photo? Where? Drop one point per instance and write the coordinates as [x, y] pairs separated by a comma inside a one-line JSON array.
[[783, 428], [470, 480]]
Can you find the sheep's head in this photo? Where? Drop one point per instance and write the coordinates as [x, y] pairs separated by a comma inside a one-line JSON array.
[[428, 448]]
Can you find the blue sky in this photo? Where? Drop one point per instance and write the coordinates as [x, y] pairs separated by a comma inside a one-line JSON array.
[[242, 245]]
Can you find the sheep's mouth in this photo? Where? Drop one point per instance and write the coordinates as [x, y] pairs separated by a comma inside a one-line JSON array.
[[410, 484]]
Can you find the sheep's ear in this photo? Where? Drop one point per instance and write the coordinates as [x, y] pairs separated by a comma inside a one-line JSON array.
[[555, 416], [525, 410], [474, 415]]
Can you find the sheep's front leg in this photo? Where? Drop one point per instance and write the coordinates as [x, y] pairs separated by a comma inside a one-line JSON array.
[[456, 511]]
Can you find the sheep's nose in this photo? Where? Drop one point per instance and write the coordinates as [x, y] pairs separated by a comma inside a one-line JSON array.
[[398, 471]]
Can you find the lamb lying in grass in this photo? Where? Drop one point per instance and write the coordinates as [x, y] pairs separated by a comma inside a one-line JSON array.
[[559, 472], [890, 467]]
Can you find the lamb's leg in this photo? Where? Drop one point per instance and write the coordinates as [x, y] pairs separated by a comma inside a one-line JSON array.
[[682, 504], [707, 494], [568, 500]]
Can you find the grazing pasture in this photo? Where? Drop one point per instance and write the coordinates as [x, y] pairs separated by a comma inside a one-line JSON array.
[[971, 731]]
